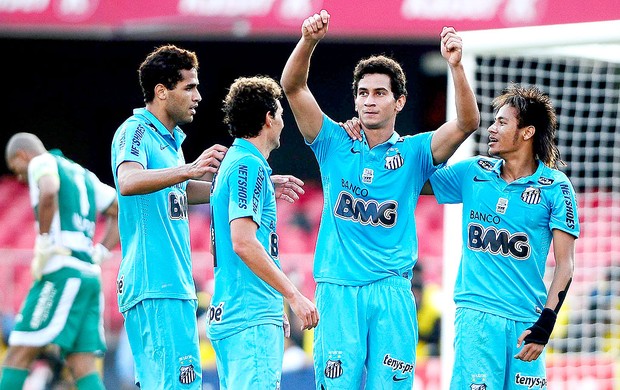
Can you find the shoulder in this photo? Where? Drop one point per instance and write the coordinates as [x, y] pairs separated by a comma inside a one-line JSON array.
[[482, 163], [42, 160], [550, 177]]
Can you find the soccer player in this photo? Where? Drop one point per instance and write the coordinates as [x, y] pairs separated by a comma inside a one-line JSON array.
[[155, 187], [245, 319], [155, 287], [514, 205], [367, 244], [65, 303]]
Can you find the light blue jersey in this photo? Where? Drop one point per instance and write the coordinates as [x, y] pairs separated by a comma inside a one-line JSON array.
[[507, 232], [242, 188], [368, 229], [153, 227]]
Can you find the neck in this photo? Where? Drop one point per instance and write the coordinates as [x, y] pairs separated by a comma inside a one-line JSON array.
[[518, 166], [262, 145], [377, 136], [162, 116]]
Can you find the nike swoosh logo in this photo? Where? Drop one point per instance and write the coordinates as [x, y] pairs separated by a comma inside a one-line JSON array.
[[354, 151], [162, 147], [396, 379], [476, 178]]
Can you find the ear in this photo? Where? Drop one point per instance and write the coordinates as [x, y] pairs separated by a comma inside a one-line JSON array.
[[161, 92], [528, 132], [268, 119], [400, 103]]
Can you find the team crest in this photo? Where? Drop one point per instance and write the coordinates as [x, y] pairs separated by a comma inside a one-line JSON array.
[[394, 162], [531, 195], [485, 164], [333, 369], [545, 181], [187, 375], [482, 386]]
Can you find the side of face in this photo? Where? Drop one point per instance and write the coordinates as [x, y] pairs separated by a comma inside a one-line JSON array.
[[504, 132], [182, 101], [18, 165]]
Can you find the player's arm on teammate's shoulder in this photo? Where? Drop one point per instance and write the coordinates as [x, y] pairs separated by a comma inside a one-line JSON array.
[[451, 134]]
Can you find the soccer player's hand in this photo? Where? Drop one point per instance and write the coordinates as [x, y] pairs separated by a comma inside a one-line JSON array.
[[287, 187], [315, 27], [208, 163], [530, 351], [305, 310], [451, 46], [353, 127], [44, 248], [100, 254]]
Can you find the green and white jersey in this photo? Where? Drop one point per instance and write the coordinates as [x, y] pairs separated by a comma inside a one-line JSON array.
[[80, 197]]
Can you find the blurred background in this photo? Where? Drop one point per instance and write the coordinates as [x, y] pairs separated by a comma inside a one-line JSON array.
[[70, 76]]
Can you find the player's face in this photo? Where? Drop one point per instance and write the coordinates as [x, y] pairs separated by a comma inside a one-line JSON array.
[[277, 125], [375, 103], [19, 166], [504, 133], [184, 98]]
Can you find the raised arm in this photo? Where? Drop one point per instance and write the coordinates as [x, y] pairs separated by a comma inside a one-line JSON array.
[[294, 81], [452, 134]]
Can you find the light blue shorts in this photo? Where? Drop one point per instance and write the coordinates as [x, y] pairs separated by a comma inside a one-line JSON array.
[[372, 328], [484, 349], [163, 336], [251, 359]]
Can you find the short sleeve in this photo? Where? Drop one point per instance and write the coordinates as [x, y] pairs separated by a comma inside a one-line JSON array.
[[248, 188]]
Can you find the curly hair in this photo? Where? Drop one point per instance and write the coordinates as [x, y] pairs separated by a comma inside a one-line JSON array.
[[534, 108], [163, 66], [382, 65], [247, 102]]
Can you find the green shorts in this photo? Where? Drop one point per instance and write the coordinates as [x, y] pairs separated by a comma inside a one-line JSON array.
[[63, 308]]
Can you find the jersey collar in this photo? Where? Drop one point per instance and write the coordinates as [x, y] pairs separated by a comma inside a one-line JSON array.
[[177, 137], [247, 145], [534, 177]]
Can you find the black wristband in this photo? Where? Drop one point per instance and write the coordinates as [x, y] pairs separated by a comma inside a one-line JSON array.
[[541, 330]]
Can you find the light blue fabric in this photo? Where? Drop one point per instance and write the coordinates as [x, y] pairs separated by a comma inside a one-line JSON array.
[[153, 227], [242, 188], [507, 232]]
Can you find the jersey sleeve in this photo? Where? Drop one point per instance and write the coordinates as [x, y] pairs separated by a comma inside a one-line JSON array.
[[330, 134], [447, 182], [425, 154], [131, 144], [42, 165], [564, 214], [248, 186], [104, 194]]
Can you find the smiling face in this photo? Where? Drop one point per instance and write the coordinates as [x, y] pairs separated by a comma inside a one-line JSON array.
[[505, 136], [375, 103]]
